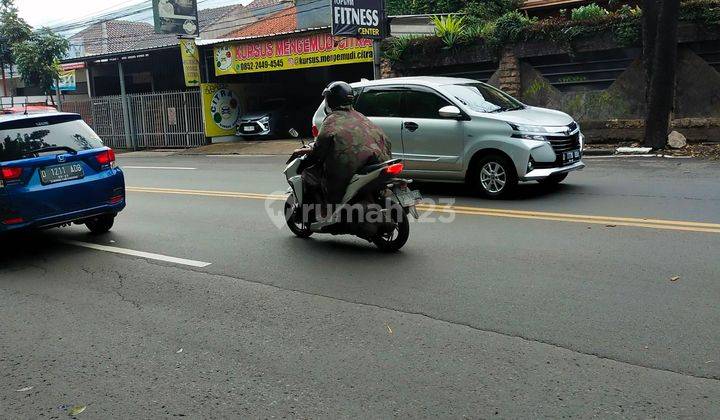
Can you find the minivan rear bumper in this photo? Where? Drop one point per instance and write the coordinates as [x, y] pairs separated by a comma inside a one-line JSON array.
[[65, 218], [539, 174]]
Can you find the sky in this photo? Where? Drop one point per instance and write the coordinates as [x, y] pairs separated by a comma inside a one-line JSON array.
[[53, 12]]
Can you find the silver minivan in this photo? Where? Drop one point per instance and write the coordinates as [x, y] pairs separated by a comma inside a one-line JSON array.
[[461, 130]]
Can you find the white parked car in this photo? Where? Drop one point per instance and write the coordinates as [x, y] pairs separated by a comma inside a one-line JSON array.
[[461, 130]]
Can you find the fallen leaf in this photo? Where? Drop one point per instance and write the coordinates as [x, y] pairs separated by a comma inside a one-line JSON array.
[[26, 389], [390, 331], [76, 409], [179, 351], [674, 278]]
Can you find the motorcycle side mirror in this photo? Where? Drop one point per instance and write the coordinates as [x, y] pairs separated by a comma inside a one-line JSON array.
[[294, 134]]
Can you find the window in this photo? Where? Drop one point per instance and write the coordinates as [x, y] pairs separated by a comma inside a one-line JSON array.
[[483, 98], [379, 103], [423, 104], [20, 137]]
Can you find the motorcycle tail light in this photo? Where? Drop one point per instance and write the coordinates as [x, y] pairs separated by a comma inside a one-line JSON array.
[[395, 169]]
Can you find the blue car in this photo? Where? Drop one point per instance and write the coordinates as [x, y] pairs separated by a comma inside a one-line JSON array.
[[55, 171]]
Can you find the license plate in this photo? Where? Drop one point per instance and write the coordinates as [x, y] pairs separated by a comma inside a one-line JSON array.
[[571, 156], [408, 197], [248, 129], [60, 173]]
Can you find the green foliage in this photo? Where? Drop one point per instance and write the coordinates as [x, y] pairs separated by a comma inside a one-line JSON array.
[[628, 28], [37, 58], [394, 48], [498, 23], [704, 12], [13, 31], [414, 7], [507, 29], [591, 12], [482, 11], [450, 29]]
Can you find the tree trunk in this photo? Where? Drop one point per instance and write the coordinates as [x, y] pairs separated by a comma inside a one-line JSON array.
[[4, 81], [649, 34], [661, 90]]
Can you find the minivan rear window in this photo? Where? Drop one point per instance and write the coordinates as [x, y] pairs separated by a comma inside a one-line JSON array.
[[379, 103], [19, 137]]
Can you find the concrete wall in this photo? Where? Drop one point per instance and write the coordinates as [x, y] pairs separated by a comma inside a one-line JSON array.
[[612, 106]]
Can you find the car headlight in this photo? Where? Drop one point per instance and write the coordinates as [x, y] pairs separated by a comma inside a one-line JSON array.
[[265, 120], [529, 132]]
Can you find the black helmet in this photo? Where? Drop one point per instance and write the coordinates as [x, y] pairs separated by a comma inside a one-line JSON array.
[[338, 94]]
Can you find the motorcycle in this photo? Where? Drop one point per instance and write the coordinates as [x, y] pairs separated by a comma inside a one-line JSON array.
[[376, 205]]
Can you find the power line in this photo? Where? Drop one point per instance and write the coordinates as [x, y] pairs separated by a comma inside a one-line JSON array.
[[112, 16], [120, 39], [60, 23]]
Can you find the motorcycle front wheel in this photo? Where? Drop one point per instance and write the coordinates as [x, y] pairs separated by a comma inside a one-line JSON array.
[[394, 240], [293, 217]]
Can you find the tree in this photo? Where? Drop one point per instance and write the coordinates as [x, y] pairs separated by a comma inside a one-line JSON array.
[[13, 30], [38, 57], [660, 23], [414, 7]]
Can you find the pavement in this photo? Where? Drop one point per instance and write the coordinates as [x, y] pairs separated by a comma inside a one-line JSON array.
[[596, 298]]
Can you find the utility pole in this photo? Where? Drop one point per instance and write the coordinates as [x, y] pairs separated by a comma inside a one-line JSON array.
[[58, 92], [125, 111], [377, 72]]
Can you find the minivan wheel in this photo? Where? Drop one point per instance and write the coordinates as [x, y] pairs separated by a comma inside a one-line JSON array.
[[101, 224], [495, 176], [554, 179]]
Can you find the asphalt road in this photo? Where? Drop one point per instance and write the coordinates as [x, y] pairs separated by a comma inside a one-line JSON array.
[[558, 302]]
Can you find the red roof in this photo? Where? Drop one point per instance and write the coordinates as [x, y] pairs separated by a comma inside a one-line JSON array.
[[279, 22]]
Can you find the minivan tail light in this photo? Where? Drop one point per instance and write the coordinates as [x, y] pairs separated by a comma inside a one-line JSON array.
[[106, 157], [394, 169], [315, 131], [10, 173]]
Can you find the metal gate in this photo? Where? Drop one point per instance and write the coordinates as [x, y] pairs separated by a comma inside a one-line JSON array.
[[156, 120]]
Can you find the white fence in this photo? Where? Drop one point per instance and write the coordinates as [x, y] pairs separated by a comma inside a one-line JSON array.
[[155, 120]]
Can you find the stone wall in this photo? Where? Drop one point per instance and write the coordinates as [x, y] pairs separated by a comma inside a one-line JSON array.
[[613, 112]]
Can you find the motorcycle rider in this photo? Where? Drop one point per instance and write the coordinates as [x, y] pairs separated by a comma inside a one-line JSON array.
[[347, 142]]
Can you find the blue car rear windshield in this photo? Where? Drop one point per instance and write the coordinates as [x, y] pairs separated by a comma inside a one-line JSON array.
[[19, 137]]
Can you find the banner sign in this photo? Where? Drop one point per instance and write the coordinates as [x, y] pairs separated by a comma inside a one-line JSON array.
[[359, 18], [316, 50], [72, 66], [221, 109], [68, 81], [176, 17], [191, 62]]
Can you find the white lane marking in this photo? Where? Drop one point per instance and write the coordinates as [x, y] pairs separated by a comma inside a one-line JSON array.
[[132, 253], [620, 157], [165, 168], [242, 156]]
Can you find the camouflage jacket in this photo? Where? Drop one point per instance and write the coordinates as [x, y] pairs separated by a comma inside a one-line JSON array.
[[347, 142]]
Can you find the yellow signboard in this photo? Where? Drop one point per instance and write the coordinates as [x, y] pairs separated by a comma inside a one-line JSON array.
[[221, 109], [316, 50], [191, 62]]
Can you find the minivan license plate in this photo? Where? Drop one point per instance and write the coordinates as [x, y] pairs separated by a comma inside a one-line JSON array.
[[571, 156], [60, 173]]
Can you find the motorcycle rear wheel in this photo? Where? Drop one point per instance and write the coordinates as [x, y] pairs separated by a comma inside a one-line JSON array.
[[294, 219], [395, 240]]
